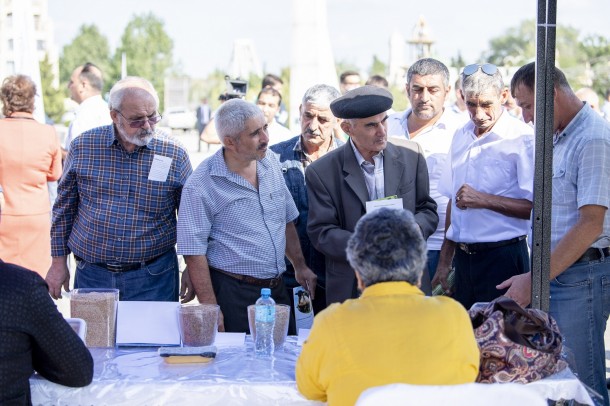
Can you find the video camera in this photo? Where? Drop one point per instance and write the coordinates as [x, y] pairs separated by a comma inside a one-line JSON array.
[[236, 89]]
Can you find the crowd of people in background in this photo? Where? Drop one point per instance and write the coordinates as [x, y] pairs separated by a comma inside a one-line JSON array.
[[365, 207]]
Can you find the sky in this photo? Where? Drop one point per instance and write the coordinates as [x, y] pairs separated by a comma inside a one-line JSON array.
[[203, 31]]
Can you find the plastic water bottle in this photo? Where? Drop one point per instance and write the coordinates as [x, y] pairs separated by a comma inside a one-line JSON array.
[[265, 320]]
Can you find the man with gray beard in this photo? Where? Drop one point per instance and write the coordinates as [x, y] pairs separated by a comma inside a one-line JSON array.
[[117, 202]]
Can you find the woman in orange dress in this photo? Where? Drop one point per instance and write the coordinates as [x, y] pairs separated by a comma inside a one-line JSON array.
[[30, 156]]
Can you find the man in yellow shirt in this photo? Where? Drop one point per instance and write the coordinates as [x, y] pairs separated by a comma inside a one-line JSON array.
[[392, 333]]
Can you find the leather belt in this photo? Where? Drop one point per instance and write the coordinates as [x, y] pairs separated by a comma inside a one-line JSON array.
[[594, 254], [251, 280], [122, 267], [473, 248]]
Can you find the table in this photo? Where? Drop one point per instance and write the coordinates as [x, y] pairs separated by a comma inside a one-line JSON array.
[[138, 376]]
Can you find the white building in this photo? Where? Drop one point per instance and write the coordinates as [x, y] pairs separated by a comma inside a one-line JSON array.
[[15, 38]]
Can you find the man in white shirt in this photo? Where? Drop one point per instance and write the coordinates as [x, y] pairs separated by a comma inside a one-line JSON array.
[[86, 84], [432, 126], [488, 178], [269, 101]]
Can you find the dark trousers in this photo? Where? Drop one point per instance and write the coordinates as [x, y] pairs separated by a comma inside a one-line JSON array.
[[156, 281], [234, 297], [476, 275]]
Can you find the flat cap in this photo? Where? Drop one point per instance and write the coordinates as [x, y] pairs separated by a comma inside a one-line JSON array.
[[362, 102]]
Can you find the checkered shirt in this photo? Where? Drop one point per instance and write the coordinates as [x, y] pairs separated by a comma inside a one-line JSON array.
[[107, 210]]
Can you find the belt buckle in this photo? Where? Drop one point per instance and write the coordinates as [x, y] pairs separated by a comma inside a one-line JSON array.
[[464, 247], [114, 267], [274, 283]]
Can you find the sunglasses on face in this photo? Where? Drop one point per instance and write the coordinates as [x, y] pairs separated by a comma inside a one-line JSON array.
[[487, 68], [141, 122]]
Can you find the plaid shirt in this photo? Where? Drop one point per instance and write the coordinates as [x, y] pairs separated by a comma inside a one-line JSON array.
[[107, 209], [581, 169], [238, 228]]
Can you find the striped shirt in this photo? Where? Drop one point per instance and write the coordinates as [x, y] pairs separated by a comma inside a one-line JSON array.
[[373, 174], [107, 210], [240, 229], [581, 169]]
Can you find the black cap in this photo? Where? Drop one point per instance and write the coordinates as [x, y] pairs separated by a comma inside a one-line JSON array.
[[362, 102]]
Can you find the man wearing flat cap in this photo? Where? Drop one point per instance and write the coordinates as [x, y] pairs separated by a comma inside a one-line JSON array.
[[367, 168]]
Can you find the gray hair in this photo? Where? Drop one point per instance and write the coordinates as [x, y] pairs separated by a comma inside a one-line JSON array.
[[126, 86], [387, 245], [231, 117], [480, 82], [321, 95], [429, 66]]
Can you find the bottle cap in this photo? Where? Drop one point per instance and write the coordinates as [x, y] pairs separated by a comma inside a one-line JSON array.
[[265, 292]]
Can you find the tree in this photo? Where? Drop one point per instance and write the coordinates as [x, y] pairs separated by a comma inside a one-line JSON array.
[[458, 62], [597, 49], [53, 98], [88, 46], [148, 51], [517, 46], [378, 67]]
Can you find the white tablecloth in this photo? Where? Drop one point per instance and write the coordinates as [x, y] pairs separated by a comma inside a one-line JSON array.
[[138, 376]]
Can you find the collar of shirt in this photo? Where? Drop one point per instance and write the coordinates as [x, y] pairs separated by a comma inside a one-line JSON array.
[[500, 129], [304, 157], [219, 167], [378, 158], [391, 288], [576, 122], [442, 122]]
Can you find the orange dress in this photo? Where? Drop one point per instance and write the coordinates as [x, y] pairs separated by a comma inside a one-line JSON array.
[[30, 156]]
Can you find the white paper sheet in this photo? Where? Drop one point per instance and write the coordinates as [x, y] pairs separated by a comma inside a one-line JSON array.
[[147, 323], [230, 339], [373, 205]]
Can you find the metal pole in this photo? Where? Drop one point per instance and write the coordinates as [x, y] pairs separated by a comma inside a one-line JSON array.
[[545, 64]]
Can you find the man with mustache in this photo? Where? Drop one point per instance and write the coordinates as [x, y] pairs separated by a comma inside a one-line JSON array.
[[235, 222], [432, 126], [488, 179], [365, 169], [295, 156], [117, 202]]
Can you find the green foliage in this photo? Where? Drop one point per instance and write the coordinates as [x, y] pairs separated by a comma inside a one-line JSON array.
[[148, 49], [378, 67], [458, 62], [285, 75], [343, 66], [517, 46], [401, 101], [585, 63], [53, 98], [597, 49], [89, 45]]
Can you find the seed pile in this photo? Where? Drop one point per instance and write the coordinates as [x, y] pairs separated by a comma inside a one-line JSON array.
[[98, 309]]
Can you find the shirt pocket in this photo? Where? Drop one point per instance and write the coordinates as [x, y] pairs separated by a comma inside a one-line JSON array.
[[564, 191], [496, 175]]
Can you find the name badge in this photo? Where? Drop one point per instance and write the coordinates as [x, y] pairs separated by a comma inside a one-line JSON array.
[[159, 168], [392, 203]]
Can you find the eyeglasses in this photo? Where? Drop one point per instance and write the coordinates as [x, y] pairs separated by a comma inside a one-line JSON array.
[[487, 68], [141, 122]]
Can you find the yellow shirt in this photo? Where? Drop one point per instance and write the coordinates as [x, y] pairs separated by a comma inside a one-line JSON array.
[[391, 334]]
